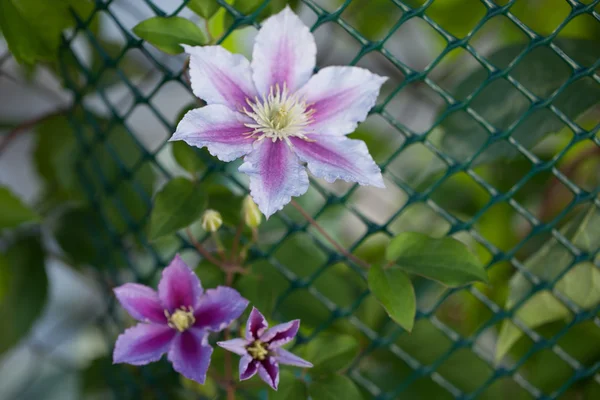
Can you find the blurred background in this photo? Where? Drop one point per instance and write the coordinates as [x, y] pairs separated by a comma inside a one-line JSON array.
[[487, 130]]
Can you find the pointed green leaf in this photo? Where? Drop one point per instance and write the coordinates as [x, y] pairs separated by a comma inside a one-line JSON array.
[[290, 388], [167, 34], [204, 8], [26, 287], [334, 387], [14, 212], [445, 260], [330, 353], [394, 290], [179, 204], [187, 158]]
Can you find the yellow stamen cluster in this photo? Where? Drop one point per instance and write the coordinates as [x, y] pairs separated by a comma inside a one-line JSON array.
[[278, 116], [258, 350], [181, 319]]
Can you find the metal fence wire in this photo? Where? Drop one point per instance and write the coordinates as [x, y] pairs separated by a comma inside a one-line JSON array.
[[433, 187]]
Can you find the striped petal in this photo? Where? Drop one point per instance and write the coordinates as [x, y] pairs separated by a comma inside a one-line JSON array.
[[143, 344], [141, 302], [275, 175], [190, 354], [179, 286]]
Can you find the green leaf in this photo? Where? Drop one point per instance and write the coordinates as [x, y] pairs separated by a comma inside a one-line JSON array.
[[204, 8], [501, 104], [72, 234], [330, 353], [179, 204], [32, 28], [187, 158], [26, 290], [445, 260], [290, 388], [334, 387], [167, 34], [581, 283], [394, 290], [14, 212]]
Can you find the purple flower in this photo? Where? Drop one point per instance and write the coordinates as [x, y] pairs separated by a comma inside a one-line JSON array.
[[261, 349], [278, 115], [176, 320]]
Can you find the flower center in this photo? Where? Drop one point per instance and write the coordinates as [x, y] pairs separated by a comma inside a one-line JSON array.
[[181, 319], [258, 350], [278, 116]]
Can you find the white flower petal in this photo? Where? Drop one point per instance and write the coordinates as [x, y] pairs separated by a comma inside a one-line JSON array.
[[340, 98], [218, 128], [275, 175], [284, 52], [337, 157], [219, 77]]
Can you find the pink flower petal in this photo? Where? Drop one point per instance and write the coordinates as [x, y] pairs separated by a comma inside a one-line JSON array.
[[179, 286], [337, 157], [219, 77], [143, 344], [248, 367], [237, 346], [218, 308], [281, 334], [256, 325], [284, 52], [275, 175], [285, 357], [190, 354], [141, 302], [219, 129], [268, 370], [341, 97]]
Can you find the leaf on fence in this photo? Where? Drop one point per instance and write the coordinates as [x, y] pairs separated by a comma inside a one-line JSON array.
[[290, 388], [394, 290], [204, 8], [167, 34], [502, 105], [13, 211], [25, 287], [581, 284], [32, 28], [334, 387], [445, 260], [187, 158], [330, 353], [177, 205]]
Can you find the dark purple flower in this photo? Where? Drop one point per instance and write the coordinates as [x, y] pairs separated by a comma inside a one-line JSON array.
[[261, 349], [176, 320]]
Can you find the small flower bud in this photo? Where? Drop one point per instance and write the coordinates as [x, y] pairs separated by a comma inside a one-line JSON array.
[[211, 221], [251, 213]]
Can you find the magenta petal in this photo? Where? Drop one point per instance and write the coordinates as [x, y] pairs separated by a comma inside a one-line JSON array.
[[256, 325], [143, 344], [219, 77], [337, 157], [237, 346], [141, 302], [248, 367], [190, 354], [219, 129], [179, 286], [268, 370], [218, 308], [284, 53], [281, 334], [285, 357], [275, 175]]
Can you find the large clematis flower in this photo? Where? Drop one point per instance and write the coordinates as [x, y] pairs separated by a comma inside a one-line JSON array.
[[176, 320], [278, 115], [261, 349]]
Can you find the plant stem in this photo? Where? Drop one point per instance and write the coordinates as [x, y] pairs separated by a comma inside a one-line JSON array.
[[228, 366], [203, 251], [331, 240], [25, 126]]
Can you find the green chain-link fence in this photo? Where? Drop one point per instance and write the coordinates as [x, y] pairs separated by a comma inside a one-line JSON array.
[[451, 352]]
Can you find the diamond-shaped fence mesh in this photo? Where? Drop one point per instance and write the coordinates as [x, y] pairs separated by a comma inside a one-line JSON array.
[[432, 187]]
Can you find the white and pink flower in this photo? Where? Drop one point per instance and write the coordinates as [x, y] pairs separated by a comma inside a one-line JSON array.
[[279, 115]]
